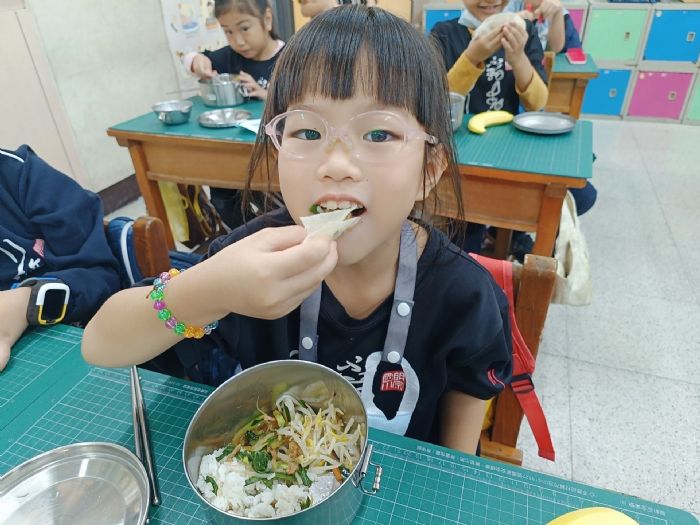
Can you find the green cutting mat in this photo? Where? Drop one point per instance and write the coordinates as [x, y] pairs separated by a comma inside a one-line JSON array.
[[149, 123], [34, 359], [507, 148], [562, 65], [422, 484]]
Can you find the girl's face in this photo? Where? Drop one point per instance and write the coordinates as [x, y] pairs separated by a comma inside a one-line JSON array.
[[247, 34], [482, 9], [330, 173], [311, 8]]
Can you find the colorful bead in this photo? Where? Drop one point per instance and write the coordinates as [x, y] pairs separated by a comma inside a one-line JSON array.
[[171, 323]]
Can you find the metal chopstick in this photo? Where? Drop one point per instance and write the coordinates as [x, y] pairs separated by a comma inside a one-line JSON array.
[[142, 442]]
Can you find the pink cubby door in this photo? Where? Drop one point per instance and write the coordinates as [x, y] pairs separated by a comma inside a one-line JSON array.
[[659, 95], [577, 18]]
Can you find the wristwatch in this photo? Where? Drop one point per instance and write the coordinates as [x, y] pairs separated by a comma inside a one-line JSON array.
[[48, 301]]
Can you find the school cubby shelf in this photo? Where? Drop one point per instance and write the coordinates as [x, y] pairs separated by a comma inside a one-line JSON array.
[[648, 55], [435, 12]]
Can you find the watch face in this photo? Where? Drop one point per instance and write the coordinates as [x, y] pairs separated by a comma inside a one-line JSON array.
[[53, 305]]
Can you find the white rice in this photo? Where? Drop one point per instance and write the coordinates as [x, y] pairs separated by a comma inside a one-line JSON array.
[[256, 500]]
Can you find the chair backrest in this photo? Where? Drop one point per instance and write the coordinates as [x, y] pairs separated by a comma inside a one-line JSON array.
[[143, 243], [548, 64], [533, 284]]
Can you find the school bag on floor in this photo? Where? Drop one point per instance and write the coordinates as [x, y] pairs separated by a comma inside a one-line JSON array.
[[523, 361]]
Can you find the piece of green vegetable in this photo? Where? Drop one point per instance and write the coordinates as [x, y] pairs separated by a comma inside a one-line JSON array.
[[251, 437], [315, 208], [303, 474], [287, 415], [229, 448], [260, 461], [254, 479], [287, 478], [213, 484], [279, 418], [306, 503]]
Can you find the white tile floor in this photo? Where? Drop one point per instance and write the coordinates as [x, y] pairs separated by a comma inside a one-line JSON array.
[[620, 379]]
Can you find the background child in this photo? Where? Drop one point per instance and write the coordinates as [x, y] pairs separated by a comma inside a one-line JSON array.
[[370, 131], [555, 28], [499, 70], [252, 53], [253, 45], [49, 226]]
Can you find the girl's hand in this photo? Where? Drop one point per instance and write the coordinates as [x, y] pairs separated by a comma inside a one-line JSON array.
[[548, 9], [268, 274], [201, 66], [483, 47], [527, 15], [13, 312], [252, 87], [514, 39]]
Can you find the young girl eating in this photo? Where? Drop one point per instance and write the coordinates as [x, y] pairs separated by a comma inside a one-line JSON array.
[[416, 325]]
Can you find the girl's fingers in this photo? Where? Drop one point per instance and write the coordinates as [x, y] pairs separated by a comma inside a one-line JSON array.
[[302, 258], [278, 239], [300, 286]]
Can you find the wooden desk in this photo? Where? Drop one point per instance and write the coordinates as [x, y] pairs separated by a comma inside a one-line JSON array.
[[568, 85], [54, 399], [510, 179]]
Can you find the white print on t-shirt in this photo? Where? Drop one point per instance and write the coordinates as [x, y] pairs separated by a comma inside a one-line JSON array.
[[375, 417], [263, 82], [495, 73], [18, 258], [355, 370]]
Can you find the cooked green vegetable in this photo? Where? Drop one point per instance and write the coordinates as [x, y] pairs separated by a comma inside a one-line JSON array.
[[227, 451], [303, 474], [306, 503], [260, 461], [213, 484], [251, 437]]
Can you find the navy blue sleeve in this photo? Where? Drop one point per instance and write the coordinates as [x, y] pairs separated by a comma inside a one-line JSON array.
[[571, 36], [534, 51], [69, 220], [224, 60], [483, 374]]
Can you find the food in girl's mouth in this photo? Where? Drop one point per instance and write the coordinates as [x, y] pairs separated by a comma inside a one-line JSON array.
[[332, 223], [497, 21], [283, 461]]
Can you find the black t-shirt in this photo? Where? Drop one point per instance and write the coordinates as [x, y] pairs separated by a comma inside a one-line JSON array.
[[459, 338], [495, 89], [226, 60]]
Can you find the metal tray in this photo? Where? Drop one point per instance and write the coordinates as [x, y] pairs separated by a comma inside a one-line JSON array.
[[543, 123], [223, 118], [95, 483]]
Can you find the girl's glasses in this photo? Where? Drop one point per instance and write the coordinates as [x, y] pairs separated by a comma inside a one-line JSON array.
[[375, 136]]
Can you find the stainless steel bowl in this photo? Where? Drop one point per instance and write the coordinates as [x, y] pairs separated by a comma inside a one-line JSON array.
[[232, 404], [96, 483], [173, 111]]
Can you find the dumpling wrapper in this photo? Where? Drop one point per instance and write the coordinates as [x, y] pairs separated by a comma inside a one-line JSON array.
[[332, 223], [496, 22]]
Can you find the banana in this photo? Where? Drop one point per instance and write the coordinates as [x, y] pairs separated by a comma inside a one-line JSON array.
[[594, 516], [479, 122]]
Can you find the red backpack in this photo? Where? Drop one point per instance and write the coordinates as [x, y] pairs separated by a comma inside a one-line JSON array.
[[523, 361]]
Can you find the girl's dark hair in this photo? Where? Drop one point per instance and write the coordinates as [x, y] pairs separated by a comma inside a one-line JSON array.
[[357, 48], [254, 8]]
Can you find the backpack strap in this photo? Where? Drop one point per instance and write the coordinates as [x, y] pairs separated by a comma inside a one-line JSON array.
[[523, 362]]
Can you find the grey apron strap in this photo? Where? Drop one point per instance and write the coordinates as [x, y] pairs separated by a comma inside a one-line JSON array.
[[401, 310], [308, 326], [400, 320]]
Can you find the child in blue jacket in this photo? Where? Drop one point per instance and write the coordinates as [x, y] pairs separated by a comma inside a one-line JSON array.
[[50, 228]]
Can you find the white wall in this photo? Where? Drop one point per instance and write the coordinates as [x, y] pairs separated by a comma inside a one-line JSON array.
[[110, 61]]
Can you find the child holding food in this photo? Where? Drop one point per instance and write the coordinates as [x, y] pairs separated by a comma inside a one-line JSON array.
[[415, 324], [554, 25], [499, 65]]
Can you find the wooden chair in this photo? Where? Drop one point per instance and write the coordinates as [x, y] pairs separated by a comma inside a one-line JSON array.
[[533, 284], [548, 64], [151, 245]]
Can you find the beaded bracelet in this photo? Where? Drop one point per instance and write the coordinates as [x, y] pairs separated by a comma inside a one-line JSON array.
[[180, 328]]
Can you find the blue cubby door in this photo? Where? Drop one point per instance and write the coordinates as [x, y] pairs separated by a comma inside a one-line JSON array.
[[605, 95], [433, 16], [674, 35]]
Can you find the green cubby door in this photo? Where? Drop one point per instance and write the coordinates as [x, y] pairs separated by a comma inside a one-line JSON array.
[[694, 103], [614, 34]]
